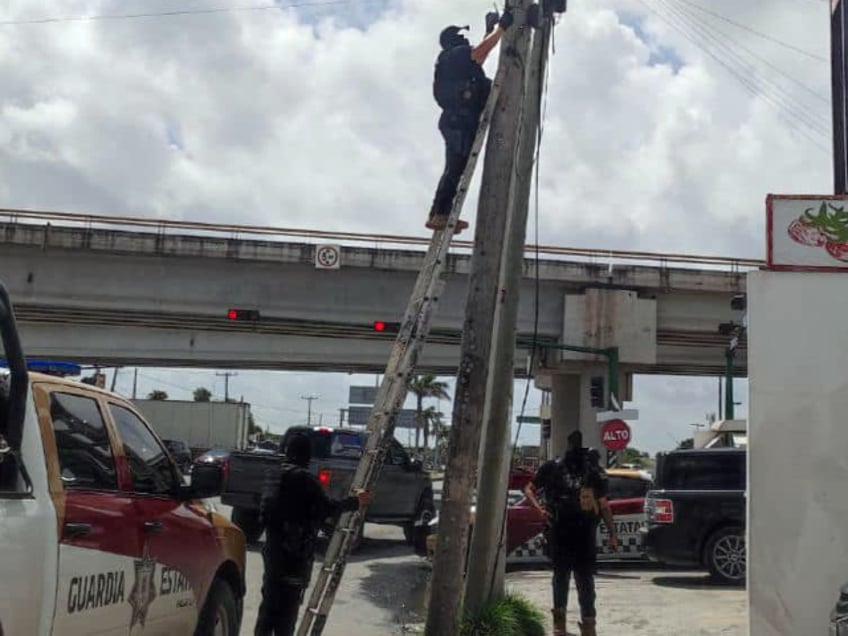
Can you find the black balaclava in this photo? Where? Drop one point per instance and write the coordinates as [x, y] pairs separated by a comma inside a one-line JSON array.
[[450, 37], [574, 450], [299, 450]]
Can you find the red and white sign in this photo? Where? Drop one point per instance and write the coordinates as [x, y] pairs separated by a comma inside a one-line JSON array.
[[615, 435], [807, 233], [328, 257]]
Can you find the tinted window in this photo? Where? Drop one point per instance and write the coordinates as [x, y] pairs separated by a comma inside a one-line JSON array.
[[150, 468], [705, 471], [82, 442], [627, 488], [396, 455], [346, 444]]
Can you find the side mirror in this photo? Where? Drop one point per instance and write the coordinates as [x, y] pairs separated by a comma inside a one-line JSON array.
[[207, 480]]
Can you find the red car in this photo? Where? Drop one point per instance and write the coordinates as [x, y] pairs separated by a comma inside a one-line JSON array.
[[525, 541]]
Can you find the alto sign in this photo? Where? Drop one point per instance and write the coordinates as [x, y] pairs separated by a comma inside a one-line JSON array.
[[615, 435]]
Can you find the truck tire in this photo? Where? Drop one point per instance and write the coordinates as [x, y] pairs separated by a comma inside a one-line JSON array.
[[248, 521], [424, 512], [725, 554], [220, 615]]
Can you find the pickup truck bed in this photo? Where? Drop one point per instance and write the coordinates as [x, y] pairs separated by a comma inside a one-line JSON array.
[[403, 495]]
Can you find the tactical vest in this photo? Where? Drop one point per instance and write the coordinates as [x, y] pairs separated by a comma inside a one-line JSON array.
[[572, 499], [295, 533], [459, 83]]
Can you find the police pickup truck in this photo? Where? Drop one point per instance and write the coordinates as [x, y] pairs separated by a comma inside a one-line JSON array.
[[403, 495], [98, 531]]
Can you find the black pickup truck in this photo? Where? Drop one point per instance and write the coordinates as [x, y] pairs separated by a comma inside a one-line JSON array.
[[403, 495], [696, 512]]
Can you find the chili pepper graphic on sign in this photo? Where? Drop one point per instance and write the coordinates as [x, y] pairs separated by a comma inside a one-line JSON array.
[[828, 228]]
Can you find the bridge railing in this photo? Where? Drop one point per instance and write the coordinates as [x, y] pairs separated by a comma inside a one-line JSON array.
[[160, 226]]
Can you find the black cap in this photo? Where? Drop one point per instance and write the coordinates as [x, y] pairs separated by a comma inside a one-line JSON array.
[[299, 450], [450, 37]]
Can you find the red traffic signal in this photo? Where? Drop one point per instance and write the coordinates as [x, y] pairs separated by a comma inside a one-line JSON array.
[[243, 314], [386, 327]]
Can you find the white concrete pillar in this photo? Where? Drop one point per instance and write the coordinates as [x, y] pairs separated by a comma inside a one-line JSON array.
[[565, 410], [571, 410]]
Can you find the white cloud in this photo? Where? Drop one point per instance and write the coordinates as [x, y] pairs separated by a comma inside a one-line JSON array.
[[323, 118]]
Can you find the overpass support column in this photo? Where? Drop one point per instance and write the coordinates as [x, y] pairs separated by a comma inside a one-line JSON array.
[[571, 410]]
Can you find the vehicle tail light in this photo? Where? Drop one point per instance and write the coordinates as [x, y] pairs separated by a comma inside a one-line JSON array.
[[324, 477], [627, 506], [660, 510]]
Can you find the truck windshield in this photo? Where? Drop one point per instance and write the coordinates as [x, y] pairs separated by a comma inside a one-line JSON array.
[[337, 444]]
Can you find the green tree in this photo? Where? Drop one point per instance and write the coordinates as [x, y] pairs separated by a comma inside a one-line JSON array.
[[157, 394], [425, 386], [202, 394], [252, 427]]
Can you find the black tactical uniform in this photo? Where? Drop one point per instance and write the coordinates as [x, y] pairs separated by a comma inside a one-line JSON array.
[[294, 505], [461, 88], [571, 487]]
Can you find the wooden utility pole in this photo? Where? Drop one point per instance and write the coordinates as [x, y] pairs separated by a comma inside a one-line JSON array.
[[444, 611], [487, 553]]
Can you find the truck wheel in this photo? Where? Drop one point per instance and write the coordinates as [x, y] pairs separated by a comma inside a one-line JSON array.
[[219, 616], [248, 521], [726, 556], [424, 513]]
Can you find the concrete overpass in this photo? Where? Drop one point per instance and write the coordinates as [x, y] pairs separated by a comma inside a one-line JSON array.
[[115, 290]]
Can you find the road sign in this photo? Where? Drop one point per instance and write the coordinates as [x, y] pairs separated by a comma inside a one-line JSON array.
[[362, 394], [328, 257], [626, 414], [358, 416], [615, 435]]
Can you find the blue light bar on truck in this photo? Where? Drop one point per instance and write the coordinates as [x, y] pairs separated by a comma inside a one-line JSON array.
[[50, 367]]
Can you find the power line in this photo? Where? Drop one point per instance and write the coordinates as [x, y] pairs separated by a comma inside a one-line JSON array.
[[753, 31], [756, 56], [177, 12], [792, 118]]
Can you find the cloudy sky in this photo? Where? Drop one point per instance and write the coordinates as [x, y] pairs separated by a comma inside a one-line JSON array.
[[667, 123]]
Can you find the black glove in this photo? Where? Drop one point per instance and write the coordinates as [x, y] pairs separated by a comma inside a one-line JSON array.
[[492, 18], [506, 20]]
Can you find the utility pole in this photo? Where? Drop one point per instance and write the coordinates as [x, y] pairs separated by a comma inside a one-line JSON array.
[[226, 375], [486, 565], [135, 382], [839, 82], [444, 611], [114, 379], [309, 399], [341, 417]]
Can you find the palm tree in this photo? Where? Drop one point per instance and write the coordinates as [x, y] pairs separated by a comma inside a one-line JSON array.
[[426, 386]]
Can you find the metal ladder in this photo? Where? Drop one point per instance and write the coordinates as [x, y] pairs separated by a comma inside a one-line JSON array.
[[410, 339]]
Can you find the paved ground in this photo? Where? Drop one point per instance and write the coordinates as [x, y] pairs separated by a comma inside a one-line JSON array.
[[384, 592]]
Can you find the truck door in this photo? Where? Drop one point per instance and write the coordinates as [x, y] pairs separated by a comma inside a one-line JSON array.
[[180, 544], [396, 494], [99, 545]]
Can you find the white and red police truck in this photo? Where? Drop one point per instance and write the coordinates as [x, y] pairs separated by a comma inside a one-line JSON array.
[[99, 534]]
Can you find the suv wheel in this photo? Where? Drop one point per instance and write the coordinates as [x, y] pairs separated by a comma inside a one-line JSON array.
[[424, 513], [726, 555], [220, 615]]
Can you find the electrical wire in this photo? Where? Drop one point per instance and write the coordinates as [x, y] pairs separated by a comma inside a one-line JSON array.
[[760, 34], [179, 12], [785, 100], [756, 56], [790, 117]]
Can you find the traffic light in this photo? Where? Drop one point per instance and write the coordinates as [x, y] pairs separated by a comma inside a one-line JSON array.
[[596, 392], [243, 314], [386, 327]]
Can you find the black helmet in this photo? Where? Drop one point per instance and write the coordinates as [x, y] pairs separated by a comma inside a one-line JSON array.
[[450, 37]]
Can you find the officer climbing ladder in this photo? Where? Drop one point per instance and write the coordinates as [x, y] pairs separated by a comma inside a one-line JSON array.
[[392, 392]]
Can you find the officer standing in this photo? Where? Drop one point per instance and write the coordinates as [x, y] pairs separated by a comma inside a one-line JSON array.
[[461, 88], [574, 490], [294, 505]]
